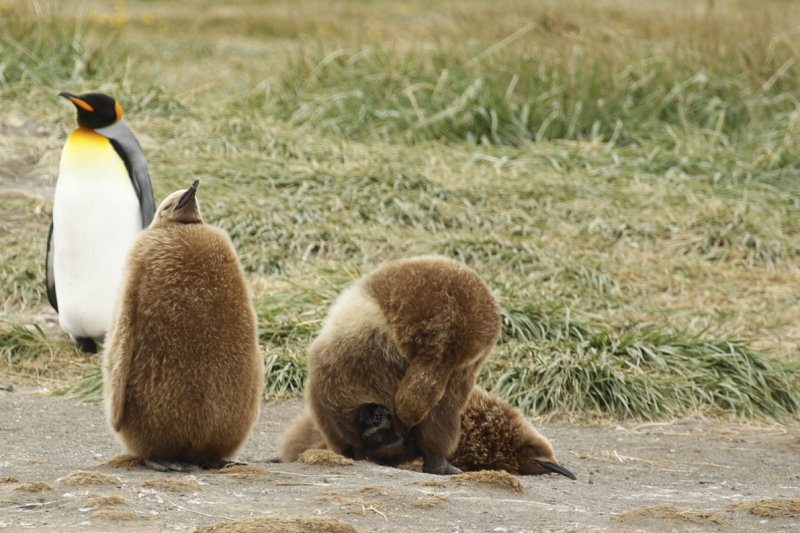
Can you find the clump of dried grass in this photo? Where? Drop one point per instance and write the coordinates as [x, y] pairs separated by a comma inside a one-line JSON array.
[[172, 484], [90, 478], [244, 471], [494, 478], [124, 461], [324, 458], [271, 524], [113, 513], [103, 500], [33, 486], [769, 507], [670, 512]]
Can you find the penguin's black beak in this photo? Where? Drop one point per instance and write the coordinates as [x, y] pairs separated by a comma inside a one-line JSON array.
[[188, 196], [558, 469], [75, 99]]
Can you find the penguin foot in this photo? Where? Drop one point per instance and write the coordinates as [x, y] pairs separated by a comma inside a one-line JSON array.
[[165, 465], [87, 345], [218, 465], [438, 464]]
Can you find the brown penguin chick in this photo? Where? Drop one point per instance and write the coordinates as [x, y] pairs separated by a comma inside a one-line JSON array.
[[301, 435], [182, 370], [496, 436], [410, 336]]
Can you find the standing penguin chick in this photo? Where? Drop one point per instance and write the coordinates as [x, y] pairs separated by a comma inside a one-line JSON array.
[[103, 199], [410, 336], [182, 369], [496, 436]]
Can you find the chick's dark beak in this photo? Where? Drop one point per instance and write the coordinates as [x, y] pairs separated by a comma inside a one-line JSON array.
[[188, 196], [556, 468]]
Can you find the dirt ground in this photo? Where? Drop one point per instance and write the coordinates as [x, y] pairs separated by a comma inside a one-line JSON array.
[[689, 475]]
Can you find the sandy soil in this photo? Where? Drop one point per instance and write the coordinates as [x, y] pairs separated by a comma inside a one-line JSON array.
[[690, 475]]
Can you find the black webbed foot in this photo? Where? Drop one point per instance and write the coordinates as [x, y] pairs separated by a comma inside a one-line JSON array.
[[165, 465], [87, 345], [438, 464]]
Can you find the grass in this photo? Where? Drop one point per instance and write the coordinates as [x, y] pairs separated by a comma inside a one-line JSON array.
[[622, 174]]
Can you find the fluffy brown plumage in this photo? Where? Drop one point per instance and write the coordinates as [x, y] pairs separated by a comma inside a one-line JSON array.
[[496, 436], [182, 369], [412, 336]]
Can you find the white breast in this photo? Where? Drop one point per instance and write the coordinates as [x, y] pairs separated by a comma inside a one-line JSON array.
[[96, 217]]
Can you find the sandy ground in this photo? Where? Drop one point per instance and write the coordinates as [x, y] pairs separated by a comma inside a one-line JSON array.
[[690, 475]]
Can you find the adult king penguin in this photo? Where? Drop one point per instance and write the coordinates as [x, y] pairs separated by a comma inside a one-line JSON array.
[[103, 199]]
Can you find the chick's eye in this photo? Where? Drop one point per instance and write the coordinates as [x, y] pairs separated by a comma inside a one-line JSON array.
[[169, 206]]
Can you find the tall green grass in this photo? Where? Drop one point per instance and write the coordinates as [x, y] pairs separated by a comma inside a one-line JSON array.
[[441, 92], [40, 45], [644, 372]]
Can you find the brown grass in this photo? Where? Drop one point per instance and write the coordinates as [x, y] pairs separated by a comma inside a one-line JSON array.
[[270, 524], [670, 512], [33, 486], [352, 505], [244, 472], [172, 484], [103, 500], [9, 480], [431, 501], [124, 461], [495, 478], [90, 478], [769, 508], [324, 458], [113, 513]]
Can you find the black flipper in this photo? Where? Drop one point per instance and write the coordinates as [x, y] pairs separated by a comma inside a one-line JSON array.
[[140, 178], [50, 279]]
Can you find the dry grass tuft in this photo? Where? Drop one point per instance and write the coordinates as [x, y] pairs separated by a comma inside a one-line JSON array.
[[124, 461], [172, 484], [9, 480], [271, 524], [434, 483], [670, 512], [90, 478], [351, 505], [769, 508], [103, 500], [33, 486], [324, 458], [431, 501], [495, 478], [244, 472], [113, 513]]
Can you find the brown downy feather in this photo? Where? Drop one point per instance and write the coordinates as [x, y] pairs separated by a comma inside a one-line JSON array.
[[182, 369], [412, 336], [496, 436]]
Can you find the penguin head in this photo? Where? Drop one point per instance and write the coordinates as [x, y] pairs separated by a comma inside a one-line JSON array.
[[180, 207], [95, 110], [539, 459]]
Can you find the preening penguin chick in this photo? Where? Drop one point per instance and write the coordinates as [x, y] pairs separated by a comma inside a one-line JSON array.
[[496, 436], [182, 369], [410, 336], [103, 199]]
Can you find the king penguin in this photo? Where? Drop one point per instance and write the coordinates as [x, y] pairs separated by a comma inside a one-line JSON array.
[[103, 199]]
